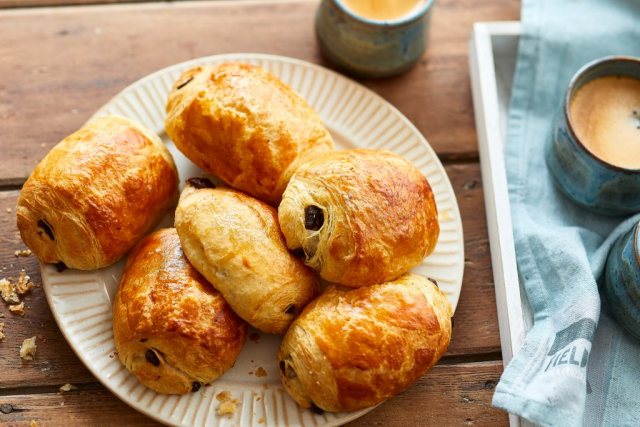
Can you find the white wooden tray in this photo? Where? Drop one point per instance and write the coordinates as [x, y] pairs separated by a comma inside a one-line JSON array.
[[492, 57]]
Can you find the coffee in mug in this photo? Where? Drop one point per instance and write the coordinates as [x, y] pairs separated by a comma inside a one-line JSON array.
[[382, 10], [605, 114]]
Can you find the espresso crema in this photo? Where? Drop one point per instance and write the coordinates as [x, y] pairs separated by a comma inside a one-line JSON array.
[[605, 116], [382, 10]]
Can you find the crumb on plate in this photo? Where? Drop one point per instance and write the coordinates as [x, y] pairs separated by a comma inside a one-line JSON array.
[[227, 405], [260, 372], [28, 349], [223, 396]]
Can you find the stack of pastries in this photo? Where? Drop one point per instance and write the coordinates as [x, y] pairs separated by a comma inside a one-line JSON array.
[[300, 240]]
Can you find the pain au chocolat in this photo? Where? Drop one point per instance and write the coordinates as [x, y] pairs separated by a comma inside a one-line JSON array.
[[235, 242], [354, 348], [171, 328], [361, 216], [245, 126], [96, 193]]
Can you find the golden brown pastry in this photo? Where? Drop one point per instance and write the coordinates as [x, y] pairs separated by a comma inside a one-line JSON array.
[[96, 193], [360, 216], [354, 348], [235, 242], [245, 126], [172, 330]]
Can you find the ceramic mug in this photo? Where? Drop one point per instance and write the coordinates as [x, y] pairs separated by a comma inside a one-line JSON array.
[[622, 281], [586, 179], [371, 48]]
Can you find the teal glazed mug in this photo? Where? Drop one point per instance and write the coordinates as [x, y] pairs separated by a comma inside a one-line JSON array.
[[588, 180], [372, 48], [622, 281]]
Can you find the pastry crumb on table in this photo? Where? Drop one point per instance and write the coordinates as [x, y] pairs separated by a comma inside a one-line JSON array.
[[1, 331], [28, 349], [67, 387], [17, 309], [23, 253], [8, 292], [24, 284]]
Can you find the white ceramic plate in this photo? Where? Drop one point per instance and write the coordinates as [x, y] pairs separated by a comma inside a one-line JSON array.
[[356, 117]]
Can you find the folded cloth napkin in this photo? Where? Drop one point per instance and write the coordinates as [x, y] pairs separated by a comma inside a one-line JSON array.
[[570, 371]]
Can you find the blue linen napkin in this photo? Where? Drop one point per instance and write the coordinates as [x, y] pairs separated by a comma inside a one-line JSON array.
[[568, 373]]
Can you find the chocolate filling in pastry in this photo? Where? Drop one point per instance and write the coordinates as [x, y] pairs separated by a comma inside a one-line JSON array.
[[152, 357], [313, 218], [183, 84], [44, 225], [197, 182]]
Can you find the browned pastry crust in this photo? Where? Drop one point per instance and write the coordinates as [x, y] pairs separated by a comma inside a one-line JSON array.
[[96, 193], [361, 216], [245, 126], [354, 348], [235, 242], [171, 328]]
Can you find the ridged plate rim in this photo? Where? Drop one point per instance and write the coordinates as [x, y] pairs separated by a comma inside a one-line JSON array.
[[54, 283]]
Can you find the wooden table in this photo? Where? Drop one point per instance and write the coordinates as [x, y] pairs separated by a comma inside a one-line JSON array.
[[59, 64]]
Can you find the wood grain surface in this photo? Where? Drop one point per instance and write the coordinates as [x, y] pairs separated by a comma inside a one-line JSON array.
[[35, 3], [59, 65], [449, 395]]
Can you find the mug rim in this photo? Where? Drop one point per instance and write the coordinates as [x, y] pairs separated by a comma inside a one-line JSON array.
[[569, 94], [403, 20], [636, 242]]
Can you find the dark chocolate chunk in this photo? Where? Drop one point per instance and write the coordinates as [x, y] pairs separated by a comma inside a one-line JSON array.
[[313, 218], [44, 225], [299, 253], [314, 408], [152, 357], [197, 182], [184, 83], [287, 370], [195, 386]]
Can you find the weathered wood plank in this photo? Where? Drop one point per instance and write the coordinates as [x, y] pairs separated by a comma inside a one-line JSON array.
[[449, 395], [59, 65], [475, 330], [40, 3], [55, 362]]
